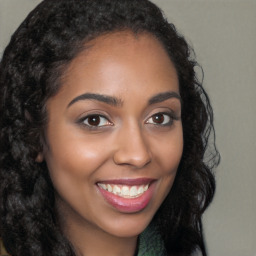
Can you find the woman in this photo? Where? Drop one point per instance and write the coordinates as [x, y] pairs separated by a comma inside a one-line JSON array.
[[104, 130]]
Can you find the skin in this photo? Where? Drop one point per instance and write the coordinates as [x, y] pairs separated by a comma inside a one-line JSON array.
[[127, 141]]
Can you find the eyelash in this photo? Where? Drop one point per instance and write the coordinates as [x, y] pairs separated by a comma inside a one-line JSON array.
[[170, 115], [98, 119]]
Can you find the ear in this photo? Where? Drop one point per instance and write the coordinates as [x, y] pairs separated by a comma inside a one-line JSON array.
[[40, 157]]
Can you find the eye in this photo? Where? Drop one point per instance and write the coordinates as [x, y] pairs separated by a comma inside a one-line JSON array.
[[96, 121], [161, 119]]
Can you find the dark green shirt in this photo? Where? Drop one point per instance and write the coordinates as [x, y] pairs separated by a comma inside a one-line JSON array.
[[151, 243]]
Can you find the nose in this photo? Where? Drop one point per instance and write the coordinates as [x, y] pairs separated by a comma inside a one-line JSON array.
[[132, 148]]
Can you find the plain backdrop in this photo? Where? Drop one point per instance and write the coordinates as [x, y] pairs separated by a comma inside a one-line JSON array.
[[223, 34]]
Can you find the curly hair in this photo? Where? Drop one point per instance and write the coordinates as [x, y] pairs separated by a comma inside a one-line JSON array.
[[52, 35]]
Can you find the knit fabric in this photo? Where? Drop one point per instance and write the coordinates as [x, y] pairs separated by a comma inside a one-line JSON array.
[[151, 243]]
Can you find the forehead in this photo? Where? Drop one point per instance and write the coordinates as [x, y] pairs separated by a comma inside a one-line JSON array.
[[120, 60]]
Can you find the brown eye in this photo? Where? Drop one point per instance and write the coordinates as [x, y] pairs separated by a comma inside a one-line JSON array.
[[93, 120], [160, 119], [96, 120]]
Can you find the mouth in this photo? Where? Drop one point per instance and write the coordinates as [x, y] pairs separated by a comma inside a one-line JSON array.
[[127, 196], [124, 190]]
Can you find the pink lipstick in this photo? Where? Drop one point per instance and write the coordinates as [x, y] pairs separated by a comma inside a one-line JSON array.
[[127, 195]]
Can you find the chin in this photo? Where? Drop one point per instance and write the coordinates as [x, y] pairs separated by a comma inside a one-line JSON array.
[[129, 226]]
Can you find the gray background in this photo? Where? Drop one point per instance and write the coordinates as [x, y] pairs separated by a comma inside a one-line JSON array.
[[223, 34]]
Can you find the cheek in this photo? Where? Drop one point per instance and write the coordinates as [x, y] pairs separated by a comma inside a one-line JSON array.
[[168, 151], [71, 157], [72, 163]]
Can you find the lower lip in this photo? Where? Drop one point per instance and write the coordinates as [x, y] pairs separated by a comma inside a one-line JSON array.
[[128, 205]]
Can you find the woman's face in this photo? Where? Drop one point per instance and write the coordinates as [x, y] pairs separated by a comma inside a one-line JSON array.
[[114, 136]]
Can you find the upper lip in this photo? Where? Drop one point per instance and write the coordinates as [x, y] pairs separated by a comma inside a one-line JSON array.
[[138, 181]]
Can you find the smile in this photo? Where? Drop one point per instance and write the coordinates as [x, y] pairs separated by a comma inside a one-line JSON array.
[[127, 195], [124, 190]]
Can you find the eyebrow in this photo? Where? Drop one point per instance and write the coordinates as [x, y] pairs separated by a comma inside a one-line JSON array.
[[163, 96], [113, 101]]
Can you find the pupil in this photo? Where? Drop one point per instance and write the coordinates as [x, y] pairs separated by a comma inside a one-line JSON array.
[[94, 120], [158, 118]]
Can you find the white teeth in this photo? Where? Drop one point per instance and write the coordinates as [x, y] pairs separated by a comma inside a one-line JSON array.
[[103, 186], [109, 188], [133, 191], [141, 190], [124, 190], [116, 190]]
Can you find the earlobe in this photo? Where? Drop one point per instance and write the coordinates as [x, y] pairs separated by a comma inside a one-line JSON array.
[[40, 158]]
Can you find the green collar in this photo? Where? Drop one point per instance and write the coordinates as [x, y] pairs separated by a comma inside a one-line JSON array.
[[151, 243]]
